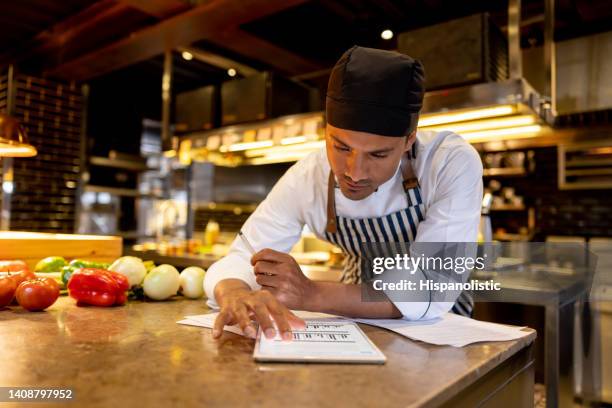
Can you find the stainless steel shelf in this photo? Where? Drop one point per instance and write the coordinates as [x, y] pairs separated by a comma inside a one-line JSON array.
[[124, 192], [119, 164], [504, 171]]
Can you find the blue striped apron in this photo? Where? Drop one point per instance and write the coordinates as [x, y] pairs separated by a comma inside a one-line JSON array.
[[397, 227]]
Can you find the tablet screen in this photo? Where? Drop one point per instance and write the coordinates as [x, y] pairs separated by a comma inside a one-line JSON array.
[[323, 340]]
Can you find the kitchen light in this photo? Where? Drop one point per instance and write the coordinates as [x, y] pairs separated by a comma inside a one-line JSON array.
[[231, 72], [238, 147], [187, 55], [280, 157], [433, 119], [7, 187], [386, 34], [303, 147], [293, 140], [13, 139], [496, 134], [485, 124]]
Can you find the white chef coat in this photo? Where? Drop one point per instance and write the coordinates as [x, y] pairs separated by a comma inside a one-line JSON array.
[[449, 171]]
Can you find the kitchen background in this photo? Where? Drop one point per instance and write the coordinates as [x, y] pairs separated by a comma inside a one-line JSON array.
[[166, 122]]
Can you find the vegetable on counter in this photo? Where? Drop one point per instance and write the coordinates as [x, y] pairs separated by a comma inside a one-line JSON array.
[[131, 267], [150, 265], [50, 264], [7, 290], [16, 270], [67, 271], [13, 266], [162, 282], [192, 282], [37, 294], [98, 287], [80, 263]]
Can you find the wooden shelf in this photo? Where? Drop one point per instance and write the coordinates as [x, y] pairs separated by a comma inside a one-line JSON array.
[[123, 192], [504, 171], [512, 237], [508, 207], [119, 163], [589, 172]]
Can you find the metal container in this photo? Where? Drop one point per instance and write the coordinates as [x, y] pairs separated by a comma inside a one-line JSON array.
[[261, 96], [195, 110], [473, 51]]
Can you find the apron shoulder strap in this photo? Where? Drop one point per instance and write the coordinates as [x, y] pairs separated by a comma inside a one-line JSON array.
[[331, 226], [408, 175]]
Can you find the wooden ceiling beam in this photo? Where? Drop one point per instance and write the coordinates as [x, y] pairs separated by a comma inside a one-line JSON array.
[[160, 9], [253, 47], [202, 22], [60, 34]]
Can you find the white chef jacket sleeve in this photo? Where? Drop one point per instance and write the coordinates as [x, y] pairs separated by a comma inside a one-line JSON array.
[[452, 216], [276, 223]]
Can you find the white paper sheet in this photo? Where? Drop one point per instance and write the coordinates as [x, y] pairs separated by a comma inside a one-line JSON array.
[[451, 329]]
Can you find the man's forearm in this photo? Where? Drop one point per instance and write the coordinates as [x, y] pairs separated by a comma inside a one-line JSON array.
[[346, 300]]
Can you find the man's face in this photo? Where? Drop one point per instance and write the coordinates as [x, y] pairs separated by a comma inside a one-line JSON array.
[[363, 161]]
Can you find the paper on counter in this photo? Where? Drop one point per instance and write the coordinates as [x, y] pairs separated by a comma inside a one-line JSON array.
[[449, 330]]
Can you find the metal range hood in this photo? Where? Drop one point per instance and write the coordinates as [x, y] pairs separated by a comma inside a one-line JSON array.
[[487, 111], [502, 109]]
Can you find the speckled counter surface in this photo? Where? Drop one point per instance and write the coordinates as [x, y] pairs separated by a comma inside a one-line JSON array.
[[137, 355]]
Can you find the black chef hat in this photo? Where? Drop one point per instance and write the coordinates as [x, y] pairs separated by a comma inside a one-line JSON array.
[[375, 91]]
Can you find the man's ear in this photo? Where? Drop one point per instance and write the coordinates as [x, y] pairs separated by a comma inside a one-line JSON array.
[[410, 141]]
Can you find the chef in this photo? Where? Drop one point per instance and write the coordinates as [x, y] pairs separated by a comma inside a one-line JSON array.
[[377, 180]]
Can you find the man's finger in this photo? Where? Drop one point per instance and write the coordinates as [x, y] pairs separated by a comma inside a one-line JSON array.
[[262, 314], [266, 268], [244, 321], [270, 255], [222, 319], [281, 320], [294, 321], [269, 281]]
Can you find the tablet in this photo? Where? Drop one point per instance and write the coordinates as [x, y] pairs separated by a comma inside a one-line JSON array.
[[322, 341]]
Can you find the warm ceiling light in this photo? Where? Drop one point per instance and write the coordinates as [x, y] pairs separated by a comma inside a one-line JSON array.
[[187, 55], [308, 146], [238, 147], [471, 114], [386, 34], [231, 72], [13, 139], [279, 157], [293, 140], [496, 134], [485, 124]]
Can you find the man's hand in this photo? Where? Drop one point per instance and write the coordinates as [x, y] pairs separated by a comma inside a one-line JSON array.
[[238, 305], [279, 274]]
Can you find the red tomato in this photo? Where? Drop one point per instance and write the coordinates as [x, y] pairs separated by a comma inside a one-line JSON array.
[[7, 290], [13, 266], [37, 294], [22, 276]]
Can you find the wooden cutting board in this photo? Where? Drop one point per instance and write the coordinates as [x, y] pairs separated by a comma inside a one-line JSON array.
[[31, 247]]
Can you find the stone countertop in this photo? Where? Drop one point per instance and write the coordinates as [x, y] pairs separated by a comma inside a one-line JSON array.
[[137, 355]]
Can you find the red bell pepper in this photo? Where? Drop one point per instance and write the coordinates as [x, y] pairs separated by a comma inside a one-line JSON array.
[[98, 287]]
